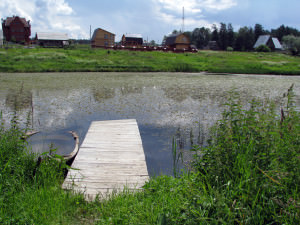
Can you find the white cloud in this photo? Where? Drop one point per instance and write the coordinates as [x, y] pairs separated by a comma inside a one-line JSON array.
[[170, 11], [45, 15], [195, 6]]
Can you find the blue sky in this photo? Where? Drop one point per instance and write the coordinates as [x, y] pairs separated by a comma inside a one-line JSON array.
[[151, 18]]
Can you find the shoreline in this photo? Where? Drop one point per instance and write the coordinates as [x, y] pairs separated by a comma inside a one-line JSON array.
[[157, 72]]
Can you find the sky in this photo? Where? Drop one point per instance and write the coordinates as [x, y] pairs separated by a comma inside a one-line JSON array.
[[151, 18]]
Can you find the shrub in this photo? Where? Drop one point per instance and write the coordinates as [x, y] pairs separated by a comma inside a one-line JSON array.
[[229, 49], [263, 48]]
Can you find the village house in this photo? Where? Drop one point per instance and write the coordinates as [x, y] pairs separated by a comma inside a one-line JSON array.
[[272, 42], [16, 29], [102, 38], [45, 39], [132, 40], [1, 38], [178, 42]]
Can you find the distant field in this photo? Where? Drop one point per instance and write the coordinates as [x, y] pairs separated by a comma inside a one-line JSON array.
[[100, 60]]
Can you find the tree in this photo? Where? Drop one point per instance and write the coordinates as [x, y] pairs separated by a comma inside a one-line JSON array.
[[176, 32], [201, 37], [282, 31], [245, 39], [215, 34], [292, 43], [258, 30], [223, 39], [230, 35], [250, 39], [152, 43]]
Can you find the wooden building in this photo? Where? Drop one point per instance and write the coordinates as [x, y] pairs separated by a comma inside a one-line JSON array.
[[16, 29], [178, 42], [272, 42], [132, 40], [45, 39], [102, 38]]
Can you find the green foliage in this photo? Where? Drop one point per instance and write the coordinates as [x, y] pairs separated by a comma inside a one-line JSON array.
[[292, 44], [263, 48]]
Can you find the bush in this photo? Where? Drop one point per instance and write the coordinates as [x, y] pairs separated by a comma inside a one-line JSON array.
[[229, 49], [263, 48]]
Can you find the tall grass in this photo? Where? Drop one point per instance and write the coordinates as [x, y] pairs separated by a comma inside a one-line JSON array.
[[30, 193], [252, 165]]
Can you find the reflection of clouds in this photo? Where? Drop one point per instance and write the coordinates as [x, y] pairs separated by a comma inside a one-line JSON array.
[[52, 109], [162, 100]]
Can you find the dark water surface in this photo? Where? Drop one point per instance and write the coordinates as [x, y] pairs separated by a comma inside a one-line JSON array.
[[166, 105]]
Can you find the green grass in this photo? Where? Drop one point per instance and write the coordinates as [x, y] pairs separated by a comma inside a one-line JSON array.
[[248, 174], [100, 60]]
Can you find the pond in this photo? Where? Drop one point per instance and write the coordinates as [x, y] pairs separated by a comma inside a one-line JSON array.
[[166, 106]]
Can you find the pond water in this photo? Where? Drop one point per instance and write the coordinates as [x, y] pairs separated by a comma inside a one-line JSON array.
[[166, 105]]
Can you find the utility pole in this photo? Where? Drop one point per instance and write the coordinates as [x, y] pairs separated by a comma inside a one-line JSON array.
[[90, 32]]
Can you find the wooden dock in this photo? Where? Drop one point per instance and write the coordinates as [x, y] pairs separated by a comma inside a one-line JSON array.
[[110, 158]]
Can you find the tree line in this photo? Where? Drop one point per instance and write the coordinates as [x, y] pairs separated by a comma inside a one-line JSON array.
[[243, 40]]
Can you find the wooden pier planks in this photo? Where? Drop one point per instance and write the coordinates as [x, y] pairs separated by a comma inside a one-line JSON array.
[[110, 158]]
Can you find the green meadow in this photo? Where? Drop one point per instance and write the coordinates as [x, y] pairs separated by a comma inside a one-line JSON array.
[[247, 174], [83, 58]]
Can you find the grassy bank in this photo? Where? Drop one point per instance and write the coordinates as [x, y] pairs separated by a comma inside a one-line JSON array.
[[100, 60], [248, 174]]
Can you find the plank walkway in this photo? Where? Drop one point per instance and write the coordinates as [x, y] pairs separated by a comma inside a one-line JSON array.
[[110, 158]]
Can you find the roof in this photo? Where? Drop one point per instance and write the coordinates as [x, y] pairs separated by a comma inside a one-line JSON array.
[[96, 30], [276, 43], [133, 35], [262, 40], [52, 36], [9, 20], [171, 39]]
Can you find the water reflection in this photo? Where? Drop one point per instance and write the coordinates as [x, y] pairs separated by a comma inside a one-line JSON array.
[[165, 105]]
